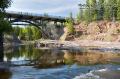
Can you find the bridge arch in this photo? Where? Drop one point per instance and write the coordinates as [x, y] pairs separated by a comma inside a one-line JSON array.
[[32, 23], [39, 21]]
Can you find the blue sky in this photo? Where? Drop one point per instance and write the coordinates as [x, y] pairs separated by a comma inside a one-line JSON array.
[[52, 7]]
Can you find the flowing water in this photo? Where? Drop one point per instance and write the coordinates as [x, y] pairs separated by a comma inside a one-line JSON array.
[[28, 62]]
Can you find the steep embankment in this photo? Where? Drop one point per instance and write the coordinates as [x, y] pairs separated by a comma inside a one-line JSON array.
[[96, 31]]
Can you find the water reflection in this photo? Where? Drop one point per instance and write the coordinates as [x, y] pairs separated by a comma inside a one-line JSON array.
[[5, 74], [1, 55], [28, 55], [28, 62]]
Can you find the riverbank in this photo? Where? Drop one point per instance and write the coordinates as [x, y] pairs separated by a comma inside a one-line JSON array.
[[74, 43], [82, 43], [100, 44]]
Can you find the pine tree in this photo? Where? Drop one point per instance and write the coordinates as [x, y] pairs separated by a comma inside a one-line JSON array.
[[80, 15], [118, 10], [101, 9], [107, 10], [92, 4]]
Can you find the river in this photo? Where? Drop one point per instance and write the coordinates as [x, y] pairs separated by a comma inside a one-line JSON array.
[[28, 62]]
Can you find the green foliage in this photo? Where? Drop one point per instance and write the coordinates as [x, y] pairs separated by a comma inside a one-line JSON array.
[[86, 16], [27, 33], [4, 4], [118, 11], [36, 33], [93, 12], [22, 34], [4, 24], [100, 10], [79, 17], [70, 24], [107, 14], [83, 15], [16, 30]]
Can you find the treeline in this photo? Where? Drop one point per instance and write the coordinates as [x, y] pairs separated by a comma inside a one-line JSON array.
[[99, 10], [27, 33]]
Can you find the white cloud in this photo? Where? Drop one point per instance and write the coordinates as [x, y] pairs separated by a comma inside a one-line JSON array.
[[45, 6], [58, 9]]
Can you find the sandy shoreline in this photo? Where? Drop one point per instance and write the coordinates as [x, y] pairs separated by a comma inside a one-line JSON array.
[[98, 44]]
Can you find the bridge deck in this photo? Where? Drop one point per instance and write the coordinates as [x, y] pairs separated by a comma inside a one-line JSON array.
[[25, 15]]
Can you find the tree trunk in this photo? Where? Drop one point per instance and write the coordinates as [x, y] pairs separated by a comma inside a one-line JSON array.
[[1, 48]]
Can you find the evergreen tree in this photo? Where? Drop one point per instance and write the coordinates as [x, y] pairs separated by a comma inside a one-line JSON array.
[[4, 24], [107, 14], [110, 9], [86, 16], [80, 16], [92, 4], [101, 9], [114, 9], [118, 10]]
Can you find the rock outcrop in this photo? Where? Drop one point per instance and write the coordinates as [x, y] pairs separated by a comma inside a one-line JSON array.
[[98, 31]]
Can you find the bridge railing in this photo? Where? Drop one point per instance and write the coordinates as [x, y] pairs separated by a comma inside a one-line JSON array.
[[35, 14]]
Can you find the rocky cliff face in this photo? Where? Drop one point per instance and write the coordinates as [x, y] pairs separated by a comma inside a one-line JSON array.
[[53, 31], [98, 31]]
